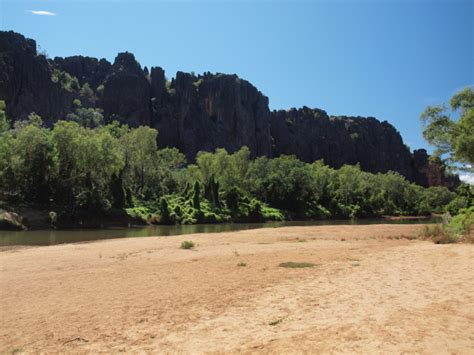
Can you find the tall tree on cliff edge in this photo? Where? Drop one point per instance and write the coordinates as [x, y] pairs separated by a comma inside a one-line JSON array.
[[452, 138]]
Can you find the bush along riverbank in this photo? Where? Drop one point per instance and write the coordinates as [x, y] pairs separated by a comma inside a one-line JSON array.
[[457, 229]]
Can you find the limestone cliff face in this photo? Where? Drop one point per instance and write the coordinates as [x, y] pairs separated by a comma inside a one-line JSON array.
[[201, 112], [211, 111], [85, 69], [126, 95], [311, 135], [25, 81]]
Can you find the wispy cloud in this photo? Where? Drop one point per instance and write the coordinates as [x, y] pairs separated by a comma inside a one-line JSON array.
[[42, 13], [469, 178]]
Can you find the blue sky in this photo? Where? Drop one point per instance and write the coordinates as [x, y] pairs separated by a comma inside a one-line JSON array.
[[386, 58]]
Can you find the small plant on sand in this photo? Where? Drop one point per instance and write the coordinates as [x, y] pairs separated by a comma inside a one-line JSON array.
[[17, 350], [277, 321], [187, 244], [295, 265], [242, 264], [438, 234], [353, 259]]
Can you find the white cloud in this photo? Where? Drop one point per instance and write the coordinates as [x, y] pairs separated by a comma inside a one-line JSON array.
[[42, 13], [469, 178]]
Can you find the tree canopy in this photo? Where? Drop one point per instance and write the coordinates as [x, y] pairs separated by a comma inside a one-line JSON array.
[[452, 138]]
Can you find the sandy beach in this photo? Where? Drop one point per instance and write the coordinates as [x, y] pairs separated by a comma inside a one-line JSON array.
[[371, 289]]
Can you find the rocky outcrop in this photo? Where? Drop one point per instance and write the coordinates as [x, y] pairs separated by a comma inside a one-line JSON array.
[[85, 69], [210, 111], [431, 172], [25, 81], [11, 221], [126, 95], [203, 112], [311, 134]]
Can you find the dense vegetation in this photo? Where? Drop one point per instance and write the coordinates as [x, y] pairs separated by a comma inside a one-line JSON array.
[[77, 171], [454, 142]]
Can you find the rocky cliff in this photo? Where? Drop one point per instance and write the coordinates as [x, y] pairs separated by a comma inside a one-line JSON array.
[[311, 135], [210, 111], [25, 80], [194, 113]]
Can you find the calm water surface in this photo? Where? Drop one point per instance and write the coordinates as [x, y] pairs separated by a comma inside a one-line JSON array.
[[51, 237]]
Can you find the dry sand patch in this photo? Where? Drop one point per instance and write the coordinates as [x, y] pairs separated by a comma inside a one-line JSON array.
[[369, 291]]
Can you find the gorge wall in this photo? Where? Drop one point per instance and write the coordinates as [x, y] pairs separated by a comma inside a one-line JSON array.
[[202, 112]]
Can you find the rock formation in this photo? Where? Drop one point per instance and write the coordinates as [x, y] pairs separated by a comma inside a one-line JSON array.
[[210, 111], [201, 112], [312, 135], [126, 95], [431, 172], [85, 69], [25, 81]]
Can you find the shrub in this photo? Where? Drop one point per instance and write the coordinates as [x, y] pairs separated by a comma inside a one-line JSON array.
[[463, 223], [271, 214], [66, 80], [438, 234], [138, 212], [187, 244]]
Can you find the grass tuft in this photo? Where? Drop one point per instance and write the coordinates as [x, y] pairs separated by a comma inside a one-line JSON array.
[[295, 265], [242, 264], [187, 244], [276, 322]]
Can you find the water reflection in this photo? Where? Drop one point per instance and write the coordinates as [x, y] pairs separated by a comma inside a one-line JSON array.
[[51, 237]]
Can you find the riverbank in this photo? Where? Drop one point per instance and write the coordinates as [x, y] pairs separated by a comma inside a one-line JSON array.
[[371, 288]]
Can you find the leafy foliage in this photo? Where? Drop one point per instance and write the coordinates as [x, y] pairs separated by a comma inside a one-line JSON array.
[[87, 117], [66, 80], [452, 137]]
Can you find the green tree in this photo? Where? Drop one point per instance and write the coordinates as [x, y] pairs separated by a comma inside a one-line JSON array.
[[89, 164], [33, 163], [140, 150], [6, 143], [454, 138], [284, 182], [169, 162], [87, 117]]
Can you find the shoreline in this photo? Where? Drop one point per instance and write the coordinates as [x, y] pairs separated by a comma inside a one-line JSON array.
[[38, 221], [44, 237]]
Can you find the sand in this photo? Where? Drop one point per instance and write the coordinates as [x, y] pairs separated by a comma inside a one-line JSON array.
[[372, 289]]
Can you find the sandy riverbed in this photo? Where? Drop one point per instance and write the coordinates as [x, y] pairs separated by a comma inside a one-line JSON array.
[[371, 290]]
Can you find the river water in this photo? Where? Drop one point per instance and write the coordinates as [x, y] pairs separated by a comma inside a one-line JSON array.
[[51, 237]]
